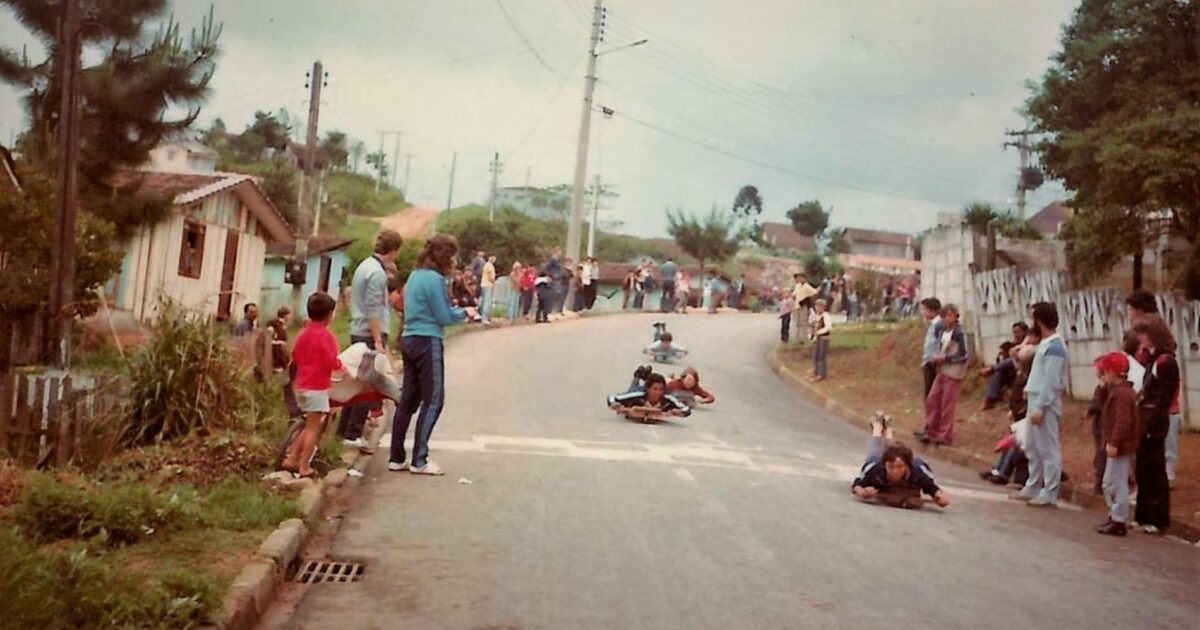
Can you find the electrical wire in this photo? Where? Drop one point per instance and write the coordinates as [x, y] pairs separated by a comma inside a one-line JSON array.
[[521, 35], [545, 111]]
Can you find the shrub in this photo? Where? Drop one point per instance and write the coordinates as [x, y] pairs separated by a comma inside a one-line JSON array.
[[243, 505], [186, 382], [119, 514], [71, 589]]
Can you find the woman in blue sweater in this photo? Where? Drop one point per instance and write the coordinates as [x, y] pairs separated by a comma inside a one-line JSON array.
[[427, 313]]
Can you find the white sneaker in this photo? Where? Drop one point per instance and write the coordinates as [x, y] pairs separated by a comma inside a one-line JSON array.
[[430, 468], [1041, 503], [356, 443], [1149, 529], [397, 466]]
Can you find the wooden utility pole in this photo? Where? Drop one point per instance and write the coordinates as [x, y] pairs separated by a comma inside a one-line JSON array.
[[1023, 147], [316, 228], [396, 158], [450, 195], [495, 170], [407, 170], [308, 197], [61, 308]]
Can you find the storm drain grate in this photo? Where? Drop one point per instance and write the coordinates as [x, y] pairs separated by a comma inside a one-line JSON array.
[[315, 571]]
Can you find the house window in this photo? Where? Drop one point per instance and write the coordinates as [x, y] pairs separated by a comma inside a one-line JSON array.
[[191, 251]]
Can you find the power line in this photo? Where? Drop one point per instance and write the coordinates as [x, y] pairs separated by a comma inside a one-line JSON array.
[[521, 35], [781, 169]]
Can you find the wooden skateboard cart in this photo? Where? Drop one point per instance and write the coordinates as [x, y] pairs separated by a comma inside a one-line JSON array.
[[644, 415]]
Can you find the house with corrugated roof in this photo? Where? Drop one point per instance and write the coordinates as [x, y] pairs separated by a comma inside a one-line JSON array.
[[326, 260]]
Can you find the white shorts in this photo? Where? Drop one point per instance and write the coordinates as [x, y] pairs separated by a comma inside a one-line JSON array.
[[315, 402]]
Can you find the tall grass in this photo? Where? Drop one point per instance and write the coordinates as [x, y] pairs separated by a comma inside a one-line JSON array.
[[186, 382]]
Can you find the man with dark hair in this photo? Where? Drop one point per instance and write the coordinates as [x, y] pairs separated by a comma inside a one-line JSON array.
[[277, 328], [654, 395], [669, 269], [1141, 304], [1143, 309], [1047, 381], [931, 309], [249, 321], [892, 475], [1002, 374], [370, 321]]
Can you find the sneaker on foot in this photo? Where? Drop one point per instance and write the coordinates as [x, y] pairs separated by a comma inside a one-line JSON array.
[[355, 443], [397, 466], [1041, 503], [1017, 496], [1149, 529], [1112, 529], [430, 468]]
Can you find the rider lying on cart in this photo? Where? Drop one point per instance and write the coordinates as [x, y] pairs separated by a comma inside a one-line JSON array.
[[892, 475], [654, 395]]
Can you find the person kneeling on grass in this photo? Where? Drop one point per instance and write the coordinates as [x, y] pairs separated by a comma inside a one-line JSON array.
[[654, 395], [892, 475], [316, 359]]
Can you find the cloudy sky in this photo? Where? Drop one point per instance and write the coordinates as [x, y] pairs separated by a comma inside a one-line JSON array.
[[889, 112]]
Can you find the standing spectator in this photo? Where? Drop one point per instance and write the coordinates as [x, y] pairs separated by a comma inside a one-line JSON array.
[[585, 284], [931, 308], [514, 292], [593, 281], [822, 326], [487, 286], [249, 322], [578, 299], [627, 287], [889, 293], [1154, 407], [554, 271], [951, 363], [1047, 381], [683, 291], [477, 266], [1095, 412], [852, 309], [427, 313], [787, 306], [1143, 309], [669, 272], [370, 320], [316, 360], [709, 288], [277, 328], [649, 284], [544, 287], [738, 292], [527, 285], [803, 293], [639, 287], [566, 280], [1119, 434]]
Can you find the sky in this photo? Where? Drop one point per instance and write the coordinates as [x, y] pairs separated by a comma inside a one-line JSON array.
[[888, 112]]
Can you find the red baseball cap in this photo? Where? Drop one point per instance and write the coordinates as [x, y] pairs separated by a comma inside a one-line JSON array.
[[1115, 362]]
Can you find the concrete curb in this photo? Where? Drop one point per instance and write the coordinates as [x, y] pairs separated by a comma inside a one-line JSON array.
[[1072, 492]]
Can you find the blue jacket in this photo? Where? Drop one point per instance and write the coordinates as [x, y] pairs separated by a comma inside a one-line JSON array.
[[933, 341], [1048, 376], [874, 475], [427, 309]]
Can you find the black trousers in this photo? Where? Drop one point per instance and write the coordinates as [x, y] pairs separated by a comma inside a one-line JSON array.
[[1153, 490], [785, 327]]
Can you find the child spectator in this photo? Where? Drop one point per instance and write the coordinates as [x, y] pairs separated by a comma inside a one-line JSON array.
[[951, 363], [1119, 426], [931, 309], [316, 358], [787, 306], [820, 326]]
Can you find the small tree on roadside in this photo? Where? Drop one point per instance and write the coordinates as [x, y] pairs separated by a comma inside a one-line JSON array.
[[837, 242], [747, 208], [712, 238]]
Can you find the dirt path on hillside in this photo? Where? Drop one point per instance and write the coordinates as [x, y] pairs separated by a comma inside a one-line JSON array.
[[411, 223]]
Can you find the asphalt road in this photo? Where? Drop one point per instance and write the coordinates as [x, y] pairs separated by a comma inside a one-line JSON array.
[[739, 517]]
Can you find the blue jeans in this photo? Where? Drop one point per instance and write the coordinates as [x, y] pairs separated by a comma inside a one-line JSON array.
[[354, 418], [485, 303], [1045, 460], [1116, 488], [514, 305], [425, 391], [1003, 376]]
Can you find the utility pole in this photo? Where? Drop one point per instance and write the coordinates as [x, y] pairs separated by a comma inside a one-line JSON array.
[[60, 308], [1023, 147], [585, 123], [316, 229], [528, 172], [308, 197], [495, 170], [591, 250], [407, 169], [450, 195], [396, 157], [378, 170]]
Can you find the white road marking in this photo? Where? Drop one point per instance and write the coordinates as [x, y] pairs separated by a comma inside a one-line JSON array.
[[685, 475]]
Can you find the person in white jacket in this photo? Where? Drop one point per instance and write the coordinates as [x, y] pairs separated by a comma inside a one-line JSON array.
[[821, 326]]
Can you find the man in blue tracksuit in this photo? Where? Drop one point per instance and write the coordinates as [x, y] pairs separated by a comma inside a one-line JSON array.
[[1047, 381], [427, 312]]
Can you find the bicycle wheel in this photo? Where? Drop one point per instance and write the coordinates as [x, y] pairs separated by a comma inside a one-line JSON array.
[[286, 444]]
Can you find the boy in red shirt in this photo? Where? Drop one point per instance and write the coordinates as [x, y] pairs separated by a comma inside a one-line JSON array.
[[316, 358]]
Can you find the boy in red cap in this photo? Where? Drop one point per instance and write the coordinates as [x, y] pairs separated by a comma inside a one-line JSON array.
[[1119, 434]]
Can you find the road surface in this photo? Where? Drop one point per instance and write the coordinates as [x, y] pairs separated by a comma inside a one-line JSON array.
[[411, 222], [739, 517]]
